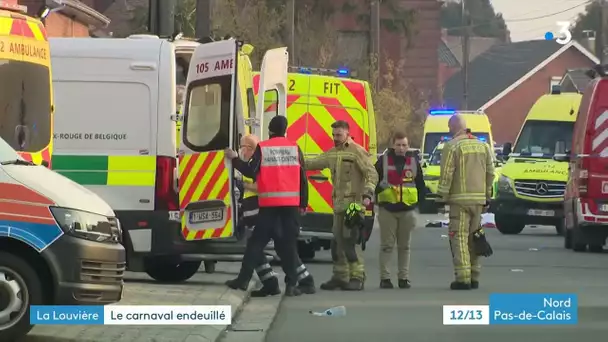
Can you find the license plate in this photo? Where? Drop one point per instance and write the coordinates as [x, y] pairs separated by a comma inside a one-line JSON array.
[[604, 207], [535, 212], [207, 216]]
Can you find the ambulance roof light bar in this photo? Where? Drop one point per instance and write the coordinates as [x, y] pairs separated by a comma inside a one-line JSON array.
[[13, 6], [341, 72], [446, 111]]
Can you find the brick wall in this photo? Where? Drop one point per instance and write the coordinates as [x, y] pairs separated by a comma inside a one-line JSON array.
[[57, 24], [510, 112]]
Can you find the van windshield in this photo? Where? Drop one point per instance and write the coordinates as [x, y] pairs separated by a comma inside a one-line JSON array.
[[544, 137], [432, 139], [435, 158], [25, 105]]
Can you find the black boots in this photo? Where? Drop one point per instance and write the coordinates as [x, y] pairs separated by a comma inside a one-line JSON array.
[[457, 285], [404, 284], [270, 287], [307, 285], [237, 284], [354, 284], [386, 284], [334, 284]]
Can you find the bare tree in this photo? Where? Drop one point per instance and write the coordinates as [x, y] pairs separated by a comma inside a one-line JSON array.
[[253, 21]]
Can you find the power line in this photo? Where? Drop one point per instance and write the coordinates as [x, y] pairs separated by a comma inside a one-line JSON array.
[[548, 15], [519, 20]]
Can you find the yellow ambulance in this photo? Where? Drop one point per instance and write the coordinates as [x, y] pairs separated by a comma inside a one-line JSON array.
[[532, 184], [315, 99], [24, 49], [435, 133], [436, 127]]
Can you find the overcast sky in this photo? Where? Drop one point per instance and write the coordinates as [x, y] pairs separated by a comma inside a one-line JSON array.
[[528, 9]]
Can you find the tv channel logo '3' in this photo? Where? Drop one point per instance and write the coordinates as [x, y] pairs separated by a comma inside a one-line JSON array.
[[563, 36]]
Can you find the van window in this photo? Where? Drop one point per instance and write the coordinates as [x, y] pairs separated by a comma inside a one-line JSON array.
[[546, 137], [435, 158], [271, 109], [432, 139], [25, 105], [207, 120], [250, 103]]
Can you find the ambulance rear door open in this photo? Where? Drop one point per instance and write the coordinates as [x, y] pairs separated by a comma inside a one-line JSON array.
[[206, 189], [273, 78]]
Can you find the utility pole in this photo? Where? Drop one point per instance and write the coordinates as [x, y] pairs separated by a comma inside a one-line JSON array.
[[374, 40], [161, 17], [203, 18], [291, 30], [153, 16], [600, 36], [465, 56]]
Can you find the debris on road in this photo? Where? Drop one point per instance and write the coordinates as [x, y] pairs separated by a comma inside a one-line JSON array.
[[436, 224], [516, 270], [336, 311], [444, 236], [533, 249]]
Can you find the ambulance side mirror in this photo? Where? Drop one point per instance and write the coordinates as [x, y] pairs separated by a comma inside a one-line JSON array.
[[506, 150], [562, 157]]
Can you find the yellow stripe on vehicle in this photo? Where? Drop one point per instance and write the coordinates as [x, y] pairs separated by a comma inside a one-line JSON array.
[[131, 170], [217, 159]]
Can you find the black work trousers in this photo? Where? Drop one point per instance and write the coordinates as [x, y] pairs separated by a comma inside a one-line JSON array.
[[282, 225]]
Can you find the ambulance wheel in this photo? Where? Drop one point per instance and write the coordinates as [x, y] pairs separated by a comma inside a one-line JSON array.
[[579, 241], [579, 247], [210, 266], [171, 272], [306, 251], [596, 248], [508, 226], [20, 287], [560, 228], [568, 239]]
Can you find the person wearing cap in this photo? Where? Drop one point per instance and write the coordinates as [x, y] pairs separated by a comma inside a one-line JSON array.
[[354, 179], [277, 167], [465, 185], [249, 210]]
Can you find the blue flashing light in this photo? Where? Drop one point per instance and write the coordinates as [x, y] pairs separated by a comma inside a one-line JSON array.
[[445, 138], [442, 112], [344, 72], [306, 71], [482, 139]]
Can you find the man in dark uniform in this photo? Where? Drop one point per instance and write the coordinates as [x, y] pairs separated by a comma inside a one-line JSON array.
[[247, 222], [277, 167]]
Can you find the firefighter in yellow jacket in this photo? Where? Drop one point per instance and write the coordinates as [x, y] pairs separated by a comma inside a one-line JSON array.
[[467, 172], [354, 178]]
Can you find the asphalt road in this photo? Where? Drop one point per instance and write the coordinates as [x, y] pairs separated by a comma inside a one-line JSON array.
[[532, 262]]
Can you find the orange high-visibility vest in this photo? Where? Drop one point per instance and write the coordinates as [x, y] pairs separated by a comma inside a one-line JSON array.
[[279, 176]]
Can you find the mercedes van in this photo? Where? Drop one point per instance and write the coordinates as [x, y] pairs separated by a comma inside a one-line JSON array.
[[530, 189]]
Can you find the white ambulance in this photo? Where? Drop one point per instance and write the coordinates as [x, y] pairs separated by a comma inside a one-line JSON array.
[[115, 133]]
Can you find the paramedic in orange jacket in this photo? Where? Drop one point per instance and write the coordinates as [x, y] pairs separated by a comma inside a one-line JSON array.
[[277, 167]]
